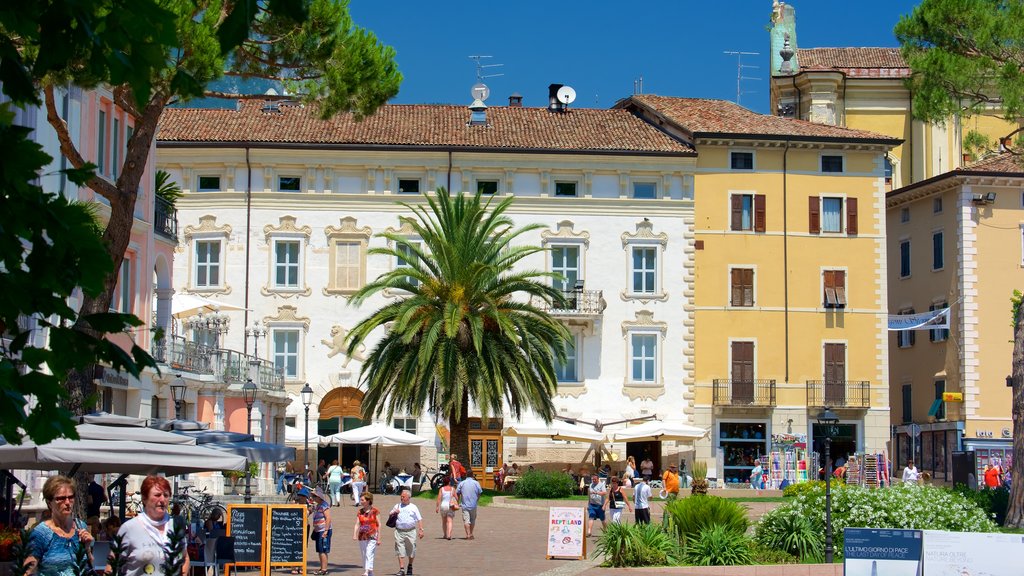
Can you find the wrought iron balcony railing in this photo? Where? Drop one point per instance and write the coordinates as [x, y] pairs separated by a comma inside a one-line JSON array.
[[744, 392], [838, 393], [165, 219], [580, 303], [229, 366]]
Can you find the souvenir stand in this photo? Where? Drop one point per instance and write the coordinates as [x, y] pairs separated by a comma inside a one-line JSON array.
[[867, 470], [787, 461]]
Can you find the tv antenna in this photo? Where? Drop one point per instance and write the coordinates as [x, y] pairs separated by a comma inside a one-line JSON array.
[[481, 68], [739, 71]]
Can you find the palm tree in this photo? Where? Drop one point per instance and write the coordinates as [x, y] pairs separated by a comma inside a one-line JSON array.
[[467, 327]]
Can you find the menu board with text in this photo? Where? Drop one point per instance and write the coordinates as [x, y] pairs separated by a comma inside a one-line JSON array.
[[287, 536], [247, 525]]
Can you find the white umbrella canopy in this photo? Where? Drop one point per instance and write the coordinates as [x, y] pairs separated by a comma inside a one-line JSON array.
[[379, 434], [117, 456], [297, 437], [241, 444], [131, 433], [185, 305], [658, 430], [556, 431]]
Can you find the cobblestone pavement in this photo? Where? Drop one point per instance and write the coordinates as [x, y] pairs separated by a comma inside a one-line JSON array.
[[510, 539]]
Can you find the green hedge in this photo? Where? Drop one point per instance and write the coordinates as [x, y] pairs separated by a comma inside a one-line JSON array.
[[547, 485]]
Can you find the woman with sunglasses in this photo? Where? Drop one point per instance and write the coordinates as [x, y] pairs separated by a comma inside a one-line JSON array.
[[146, 537], [53, 544]]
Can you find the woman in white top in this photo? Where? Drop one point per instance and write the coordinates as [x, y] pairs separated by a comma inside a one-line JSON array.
[[630, 472], [446, 505], [910, 473], [334, 482], [358, 481]]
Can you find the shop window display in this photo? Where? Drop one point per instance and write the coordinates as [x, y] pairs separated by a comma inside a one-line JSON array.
[[741, 443]]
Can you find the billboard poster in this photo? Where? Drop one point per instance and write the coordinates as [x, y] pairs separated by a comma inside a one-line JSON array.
[[877, 552], [972, 553], [566, 534]]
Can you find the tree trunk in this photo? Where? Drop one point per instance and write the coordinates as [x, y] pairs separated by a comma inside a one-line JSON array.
[[1015, 512], [460, 433]]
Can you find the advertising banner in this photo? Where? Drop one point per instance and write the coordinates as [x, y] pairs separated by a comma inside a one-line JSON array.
[[566, 535], [972, 553], [876, 552]]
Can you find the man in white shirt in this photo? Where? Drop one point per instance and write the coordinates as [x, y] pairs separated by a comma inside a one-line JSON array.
[[408, 526], [910, 473], [642, 501]]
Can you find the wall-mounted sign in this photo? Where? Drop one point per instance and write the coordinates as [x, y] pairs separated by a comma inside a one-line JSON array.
[[952, 397]]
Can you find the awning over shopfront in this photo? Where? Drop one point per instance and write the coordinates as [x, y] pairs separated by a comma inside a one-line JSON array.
[[660, 430]]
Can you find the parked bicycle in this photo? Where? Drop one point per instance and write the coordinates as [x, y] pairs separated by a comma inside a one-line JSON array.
[[437, 479], [197, 505]]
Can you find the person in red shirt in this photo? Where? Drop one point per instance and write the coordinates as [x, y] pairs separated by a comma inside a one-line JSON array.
[[455, 468], [992, 475]]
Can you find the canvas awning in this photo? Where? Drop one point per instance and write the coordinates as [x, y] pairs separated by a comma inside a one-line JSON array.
[[659, 430], [556, 431]]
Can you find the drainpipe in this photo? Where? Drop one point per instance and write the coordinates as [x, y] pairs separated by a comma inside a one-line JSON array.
[[785, 250], [248, 242]]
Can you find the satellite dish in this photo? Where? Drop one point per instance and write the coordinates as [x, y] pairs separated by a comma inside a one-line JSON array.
[[566, 95], [480, 91]]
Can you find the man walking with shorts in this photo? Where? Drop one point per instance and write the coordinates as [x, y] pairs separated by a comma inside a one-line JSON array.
[[595, 507], [408, 527], [469, 491], [642, 501]]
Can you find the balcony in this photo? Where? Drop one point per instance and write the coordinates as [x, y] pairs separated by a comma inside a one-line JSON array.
[[838, 394], [229, 366], [165, 219], [580, 304], [744, 392]]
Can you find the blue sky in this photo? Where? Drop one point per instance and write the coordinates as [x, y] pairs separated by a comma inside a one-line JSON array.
[[599, 48]]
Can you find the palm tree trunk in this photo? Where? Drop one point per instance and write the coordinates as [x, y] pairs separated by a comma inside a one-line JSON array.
[[1015, 512], [460, 433]]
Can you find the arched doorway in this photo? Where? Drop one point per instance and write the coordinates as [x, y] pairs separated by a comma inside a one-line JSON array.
[[341, 410]]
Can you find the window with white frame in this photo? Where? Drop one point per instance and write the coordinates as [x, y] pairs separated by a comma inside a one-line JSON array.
[[741, 160], [831, 214], [644, 270], [115, 148], [568, 371], [123, 300], [348, 265], [101, 143], [286, 263], [831, 163], [937, 205], [404, 423], [408, 186], [643, 357], [939, 334], [905, 338], [208, 263], [904, 215], [565, 188], [286, 352], [406, 258], [565, 260], [645, 190]]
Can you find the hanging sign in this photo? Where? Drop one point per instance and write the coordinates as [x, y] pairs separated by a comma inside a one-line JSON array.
[[931, 320], [566, 533]]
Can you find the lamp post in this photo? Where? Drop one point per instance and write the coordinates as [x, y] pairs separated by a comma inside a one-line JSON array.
[[829, 423], [178, 393], [307, 399], [249, 394], [256, 332]]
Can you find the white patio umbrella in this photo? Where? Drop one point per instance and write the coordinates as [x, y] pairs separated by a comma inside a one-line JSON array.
[[131, 433], [659, 430], [557, 430], [185, 305], [378, 435], [297, 437], [116, 456]]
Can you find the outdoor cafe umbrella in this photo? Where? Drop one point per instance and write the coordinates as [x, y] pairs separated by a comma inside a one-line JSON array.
[[240, 443], [185, 305], [555, 431], [660, 430], [378, 435], [116, 456]]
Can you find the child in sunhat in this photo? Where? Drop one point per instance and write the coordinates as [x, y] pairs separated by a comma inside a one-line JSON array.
[[322, 531]]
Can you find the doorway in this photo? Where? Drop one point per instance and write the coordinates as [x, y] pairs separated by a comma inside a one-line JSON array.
[[485, 448], [843, 444], [640, 450]]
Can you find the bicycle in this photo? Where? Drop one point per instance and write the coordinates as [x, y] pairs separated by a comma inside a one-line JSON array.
[[197, 505]]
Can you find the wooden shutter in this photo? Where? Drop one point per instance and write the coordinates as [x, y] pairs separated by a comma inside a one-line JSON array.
[[835, 374], [742, 284], [737, 211], [830, 288], [748, 286], [839, 279], [743, 361], [814, 215], [759, 213], [851, 215], [737, 287]]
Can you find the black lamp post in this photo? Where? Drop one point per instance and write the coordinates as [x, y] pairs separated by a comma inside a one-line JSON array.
[[178, 393], [249, 394], [307, 399], [829, 422]]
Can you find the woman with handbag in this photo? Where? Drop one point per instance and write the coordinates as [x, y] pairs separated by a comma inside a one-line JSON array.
[[367, 531], [447, 504]]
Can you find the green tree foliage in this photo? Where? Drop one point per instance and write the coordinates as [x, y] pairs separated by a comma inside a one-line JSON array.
[[153, 53], [466, 325]]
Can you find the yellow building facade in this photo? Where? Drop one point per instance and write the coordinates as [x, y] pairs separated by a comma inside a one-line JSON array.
[[956, 240], [790, 282]]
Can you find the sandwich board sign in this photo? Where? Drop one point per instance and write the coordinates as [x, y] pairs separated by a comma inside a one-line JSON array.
[[567, 536]]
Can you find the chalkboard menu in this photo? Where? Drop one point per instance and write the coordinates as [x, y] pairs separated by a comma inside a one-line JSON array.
[[287, 535], [247, 525]]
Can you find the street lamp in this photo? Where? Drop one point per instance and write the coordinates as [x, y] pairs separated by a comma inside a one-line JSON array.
[[178, 393], [249, 394], [256, 332], [829, 422], [307, 399]]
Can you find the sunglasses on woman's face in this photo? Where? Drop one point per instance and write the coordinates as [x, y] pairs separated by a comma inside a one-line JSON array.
[[63, 498]]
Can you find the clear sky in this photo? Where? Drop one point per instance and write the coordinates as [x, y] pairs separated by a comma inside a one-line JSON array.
[[599, 48]]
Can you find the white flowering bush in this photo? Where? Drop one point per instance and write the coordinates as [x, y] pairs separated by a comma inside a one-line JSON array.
[[902, 506]]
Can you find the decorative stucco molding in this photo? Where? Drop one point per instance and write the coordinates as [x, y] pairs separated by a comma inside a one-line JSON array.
[[207, 227], [644, 233], [287, 227], [571, 389], [644, 321], [565, 232], [287, 314]]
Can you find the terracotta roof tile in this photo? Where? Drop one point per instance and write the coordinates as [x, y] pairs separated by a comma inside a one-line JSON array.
[[579, 129], [860, 62], [1005, 162], [705, 117]]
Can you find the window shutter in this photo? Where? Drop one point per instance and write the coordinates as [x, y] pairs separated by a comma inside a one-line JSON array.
[[737, 287], [840, 283], [759, 213], [851, 215], [737, 211], [830, 288], [913, 333], [743, 361], [814, 215], [748, 286]]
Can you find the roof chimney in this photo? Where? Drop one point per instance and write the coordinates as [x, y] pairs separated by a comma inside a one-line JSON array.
[[515, 100], [553, 104]]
